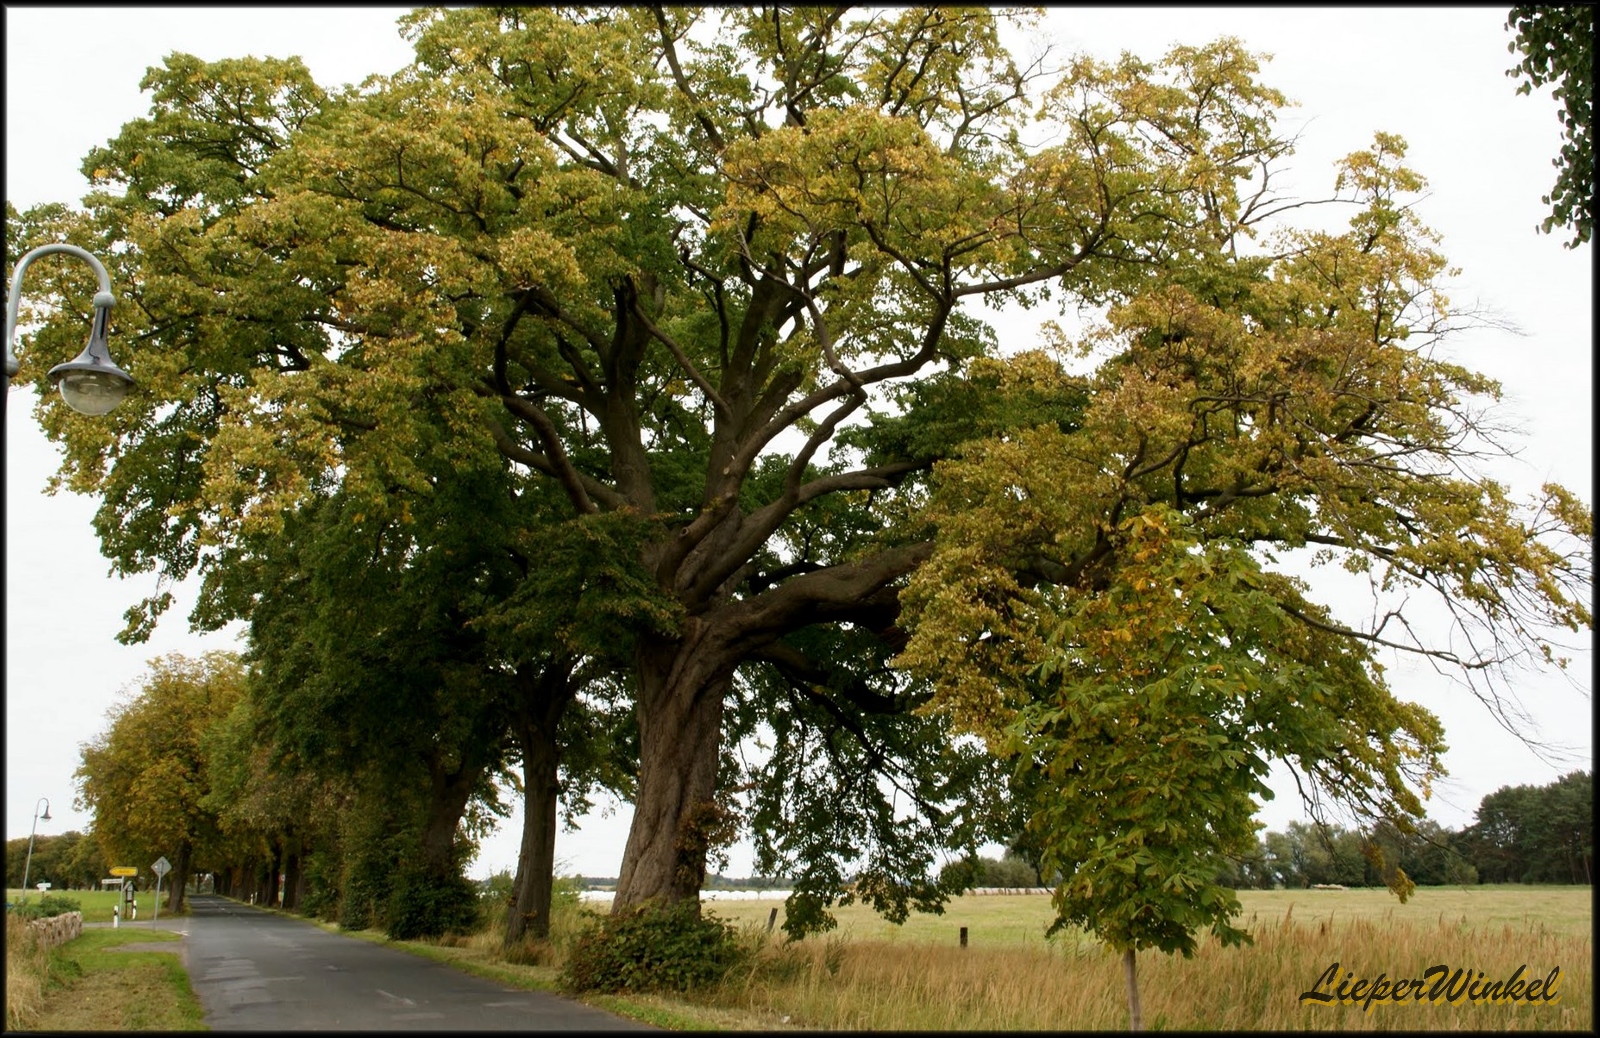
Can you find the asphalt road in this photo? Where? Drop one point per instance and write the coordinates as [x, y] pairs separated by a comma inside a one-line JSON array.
[[259, 971]]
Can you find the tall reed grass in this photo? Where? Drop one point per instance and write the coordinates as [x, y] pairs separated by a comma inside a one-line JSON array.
[[568, 920], [1075, 985], [27, 973]]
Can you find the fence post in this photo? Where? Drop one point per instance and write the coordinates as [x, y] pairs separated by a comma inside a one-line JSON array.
[[963, 937], [772, 919]]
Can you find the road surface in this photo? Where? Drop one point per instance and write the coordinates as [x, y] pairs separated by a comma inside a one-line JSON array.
[[261, 971]]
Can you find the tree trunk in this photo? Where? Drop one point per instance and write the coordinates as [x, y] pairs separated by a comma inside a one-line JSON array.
[[180, 878], [675, 815], [291, 872], [1135, 1015], [447, 802], [270, 894], [538, 716]]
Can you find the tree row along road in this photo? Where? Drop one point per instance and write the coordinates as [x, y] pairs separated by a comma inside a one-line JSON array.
[[257, 971]]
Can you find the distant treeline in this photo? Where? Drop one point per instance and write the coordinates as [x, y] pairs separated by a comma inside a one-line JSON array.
[[1522, 834], [69, 861]]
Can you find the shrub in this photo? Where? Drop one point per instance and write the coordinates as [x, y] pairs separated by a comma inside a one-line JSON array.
[[653, 948], [321, 899], [498, 889], [47, 907], [431, 906]]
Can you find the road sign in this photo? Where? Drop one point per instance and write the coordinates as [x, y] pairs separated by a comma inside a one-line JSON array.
[[124, 870], [162, 866]]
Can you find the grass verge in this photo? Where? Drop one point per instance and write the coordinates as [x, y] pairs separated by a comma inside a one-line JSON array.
[[88, 985]]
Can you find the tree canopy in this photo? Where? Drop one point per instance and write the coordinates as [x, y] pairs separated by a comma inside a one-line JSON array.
[[1557, 47], [145, 778]]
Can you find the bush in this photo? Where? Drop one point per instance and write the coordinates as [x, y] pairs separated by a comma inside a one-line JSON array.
[[431, 906], [321, 899], [653, 948], [498, 889], [47, 907]]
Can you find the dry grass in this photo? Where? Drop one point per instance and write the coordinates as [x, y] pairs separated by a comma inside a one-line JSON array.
[[1007, 920], [870, 974], [27, 973], [912, 982]]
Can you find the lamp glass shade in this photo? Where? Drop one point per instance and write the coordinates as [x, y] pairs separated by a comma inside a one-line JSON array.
[[93, 392], [91, 383]]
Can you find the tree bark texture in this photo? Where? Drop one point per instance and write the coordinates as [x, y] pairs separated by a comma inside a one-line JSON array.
[[448, 794], [179, 877], [675, 817]]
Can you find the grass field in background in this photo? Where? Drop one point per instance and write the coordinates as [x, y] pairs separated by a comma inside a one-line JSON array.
[[1021, 919], [96, 904], [869, 974]]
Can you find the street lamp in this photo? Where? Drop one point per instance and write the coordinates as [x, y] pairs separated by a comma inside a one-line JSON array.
[[29, 863], [90, 383]]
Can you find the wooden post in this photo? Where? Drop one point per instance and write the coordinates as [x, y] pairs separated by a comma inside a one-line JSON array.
[[963, 937], [772, 919]]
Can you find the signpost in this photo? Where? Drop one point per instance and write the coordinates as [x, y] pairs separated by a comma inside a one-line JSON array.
[[124, 870], [160, 868]]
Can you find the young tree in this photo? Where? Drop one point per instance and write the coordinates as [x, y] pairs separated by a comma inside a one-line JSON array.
[[1100, 601]]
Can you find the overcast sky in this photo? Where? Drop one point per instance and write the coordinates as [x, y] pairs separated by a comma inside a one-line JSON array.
[[1435, 76]]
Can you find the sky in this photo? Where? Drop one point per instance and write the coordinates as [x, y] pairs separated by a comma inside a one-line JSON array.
[[1435, 76]]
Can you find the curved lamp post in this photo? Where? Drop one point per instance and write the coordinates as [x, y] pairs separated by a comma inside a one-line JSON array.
[[29, 863], [91, 383]]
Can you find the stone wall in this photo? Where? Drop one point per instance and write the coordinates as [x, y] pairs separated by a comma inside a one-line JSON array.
[[57, 929]]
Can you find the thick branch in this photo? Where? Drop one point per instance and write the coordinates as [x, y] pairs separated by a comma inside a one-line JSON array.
[[836, 593], [669, 49], [571, 479], [683, 360]]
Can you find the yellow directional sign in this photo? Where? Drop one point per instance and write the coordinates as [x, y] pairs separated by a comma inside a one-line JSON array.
[[124, 870]]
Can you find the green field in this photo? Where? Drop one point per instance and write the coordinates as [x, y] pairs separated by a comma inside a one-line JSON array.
[[96, 904]]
